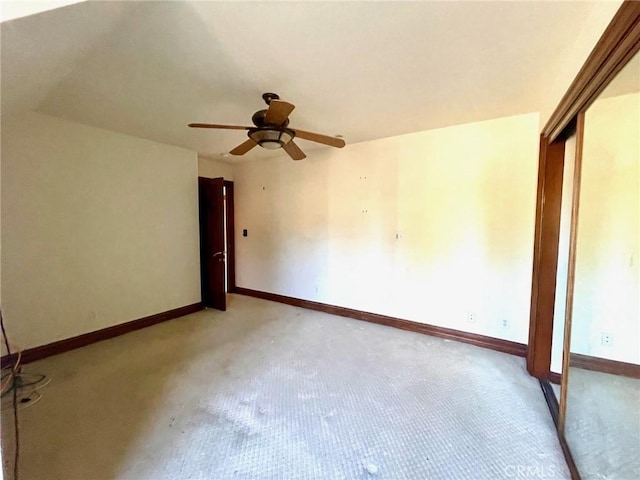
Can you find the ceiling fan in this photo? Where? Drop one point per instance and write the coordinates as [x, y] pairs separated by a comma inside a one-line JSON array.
[[272, 130]]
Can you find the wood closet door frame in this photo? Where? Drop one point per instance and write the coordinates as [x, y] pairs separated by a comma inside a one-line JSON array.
[[617, 45], [545, 256]]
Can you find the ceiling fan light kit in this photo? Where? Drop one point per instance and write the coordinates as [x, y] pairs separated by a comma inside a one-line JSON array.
[[271, 139], [271, 132]]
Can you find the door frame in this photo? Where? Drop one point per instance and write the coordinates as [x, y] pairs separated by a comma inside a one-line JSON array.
[[230, 235], [545, 256]]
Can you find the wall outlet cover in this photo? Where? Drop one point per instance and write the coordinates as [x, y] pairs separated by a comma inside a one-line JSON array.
[[606, 339]]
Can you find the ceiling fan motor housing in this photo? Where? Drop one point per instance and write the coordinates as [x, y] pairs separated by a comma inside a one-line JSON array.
[[258, 120]]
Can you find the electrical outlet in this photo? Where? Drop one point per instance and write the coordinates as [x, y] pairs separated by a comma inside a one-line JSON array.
[[505, 323], [606, 339], [471, 317]]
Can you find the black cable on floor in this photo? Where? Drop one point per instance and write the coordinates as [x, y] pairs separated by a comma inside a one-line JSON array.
[[21, 384], [16, 456], [15, 423], [4, 334]]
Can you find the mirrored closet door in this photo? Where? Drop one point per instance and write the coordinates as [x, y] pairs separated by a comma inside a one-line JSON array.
[[600, 398]]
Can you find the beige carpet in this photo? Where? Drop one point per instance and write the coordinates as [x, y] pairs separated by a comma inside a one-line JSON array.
[[269, 391], [603, 424]]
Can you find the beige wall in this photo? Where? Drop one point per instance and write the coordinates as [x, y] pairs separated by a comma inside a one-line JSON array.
[[429, 227], [560, 305], [607, 287], [212, 169], [98, 228]]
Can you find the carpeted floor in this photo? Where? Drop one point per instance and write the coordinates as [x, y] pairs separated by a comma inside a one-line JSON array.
[[269, 391], [603, 424]]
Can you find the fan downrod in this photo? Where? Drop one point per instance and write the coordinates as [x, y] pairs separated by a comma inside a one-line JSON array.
[[267, 97]]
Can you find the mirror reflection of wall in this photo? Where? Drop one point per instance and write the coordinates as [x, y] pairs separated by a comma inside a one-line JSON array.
[[562, 275], [602, 425]]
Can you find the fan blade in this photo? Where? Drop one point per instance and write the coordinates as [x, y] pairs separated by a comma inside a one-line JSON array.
[[225, 127], [294, 151], [319, 138], [243, 148], [278, 112]]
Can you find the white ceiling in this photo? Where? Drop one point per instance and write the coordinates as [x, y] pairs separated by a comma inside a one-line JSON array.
[[364, 70], [10, 9]]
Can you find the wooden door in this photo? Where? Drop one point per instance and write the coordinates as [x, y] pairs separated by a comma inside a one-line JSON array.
[[212, 242]]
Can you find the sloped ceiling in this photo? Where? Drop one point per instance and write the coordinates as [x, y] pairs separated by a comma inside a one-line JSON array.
[[10, 9], [364, 70]]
